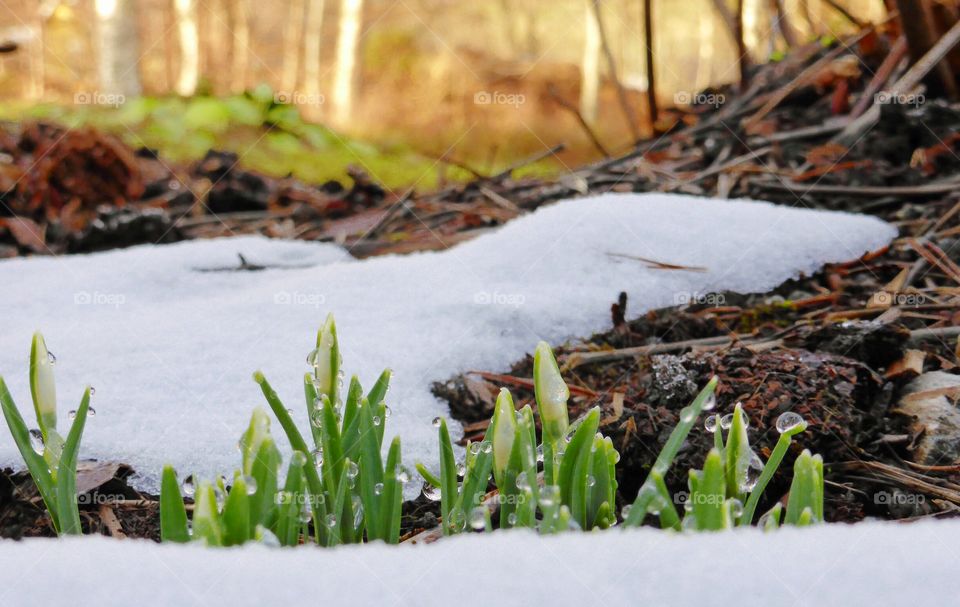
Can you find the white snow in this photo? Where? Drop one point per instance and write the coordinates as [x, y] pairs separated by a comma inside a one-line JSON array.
[[868, 564], [171, 350]]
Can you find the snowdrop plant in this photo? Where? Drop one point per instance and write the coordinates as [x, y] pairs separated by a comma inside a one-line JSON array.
[[578, 482], [253, 509], [354, 492], [732, 473], [50, 459]]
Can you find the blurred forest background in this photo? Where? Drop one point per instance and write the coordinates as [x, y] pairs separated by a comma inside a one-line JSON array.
[[415, 90]]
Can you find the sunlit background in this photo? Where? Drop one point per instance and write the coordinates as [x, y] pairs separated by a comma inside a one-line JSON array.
[[413, 91]]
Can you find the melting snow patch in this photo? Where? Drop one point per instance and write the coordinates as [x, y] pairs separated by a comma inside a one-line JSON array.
[[171, 349], [867, 564]]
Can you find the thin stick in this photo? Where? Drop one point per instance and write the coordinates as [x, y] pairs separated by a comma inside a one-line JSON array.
[[612, 67], [555, 95]]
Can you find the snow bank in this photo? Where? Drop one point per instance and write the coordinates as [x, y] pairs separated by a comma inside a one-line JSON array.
[[847, 566], [171, 349]]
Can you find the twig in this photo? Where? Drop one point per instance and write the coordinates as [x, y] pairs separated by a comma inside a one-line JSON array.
[[528, 161], [612, 67], [555, 95], [897, 52]]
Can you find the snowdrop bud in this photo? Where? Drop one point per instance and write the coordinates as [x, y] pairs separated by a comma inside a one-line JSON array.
[[327, 359], [257, 432], [42, 386], [552, 393], [504, 430]]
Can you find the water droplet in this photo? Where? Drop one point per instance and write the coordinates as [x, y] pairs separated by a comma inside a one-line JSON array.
[[357, 511], [352, 470], [726, 421], [478, 518], [789, 421], [317, 419], [625, 511], [736, 508], [378, 489], [687, 414], [523, 483], [187, 486], [710, 423], [330, 520], [591, 481], [317, 457], [92, 390], [431, 493], [540, 453], [387, 412], [550, 496], [512, 518], [474, 448], [298, 458], [402, 475], [51, 358], [461, 469], [251, 484], [376, 420], [753, 473], [91, 412], [312, 358], [305, 516], [711, 402], [289, 411], [36, 441], [72, 413], [486, 447], [436, 422]]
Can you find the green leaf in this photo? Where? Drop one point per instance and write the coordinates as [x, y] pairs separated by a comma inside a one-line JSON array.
[[769, 469], [173, 514], [669, 518], [35, 463], [737, 453], [448, 473], [371, 473], [575, 468], [392, 502], [310, 396], [264, 472], [709, 497], [67, 511], [236, 514], [206, 516], [314, 484], [290, 506], [551, 394], [428, 476]]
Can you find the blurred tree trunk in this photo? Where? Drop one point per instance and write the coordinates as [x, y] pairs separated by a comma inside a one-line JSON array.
[[783, 23], [312, 46], [348, 42], [650, 68], [240, 48], [35, 55], [119, 47], [705, 56], [920, 29], [590, 67], [292, 39], [743, 55], [185, 12], [218, 45]]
